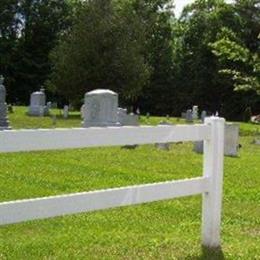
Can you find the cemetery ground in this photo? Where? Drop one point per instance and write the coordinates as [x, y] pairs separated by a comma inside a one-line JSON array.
[[160, 230]]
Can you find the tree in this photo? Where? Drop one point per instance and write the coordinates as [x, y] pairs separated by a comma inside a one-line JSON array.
[[30, 28], [198, 80], [103, 49], [238, 50], [9, 26], [157, 16]]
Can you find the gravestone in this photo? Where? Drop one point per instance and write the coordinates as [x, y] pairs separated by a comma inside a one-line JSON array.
[[163, 146], [82, 109], [231, 145], [189, 118], [4, 122], [138, 112], [257, 141], [100, 108], [54, 105], [183, 115], [66, 112], [49, 105], [127, 119], [203, 115], [38, 104], [195, 113]]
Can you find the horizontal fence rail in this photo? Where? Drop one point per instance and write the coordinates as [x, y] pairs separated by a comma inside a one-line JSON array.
[[17, 211], [209, 185], [49, 139]]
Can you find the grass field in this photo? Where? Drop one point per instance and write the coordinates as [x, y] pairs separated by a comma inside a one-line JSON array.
[[160, 230]]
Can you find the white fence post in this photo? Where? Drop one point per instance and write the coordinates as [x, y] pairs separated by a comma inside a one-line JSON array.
[[213, 169]]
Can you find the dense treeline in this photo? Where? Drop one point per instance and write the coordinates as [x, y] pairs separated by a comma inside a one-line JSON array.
[[209, 56]]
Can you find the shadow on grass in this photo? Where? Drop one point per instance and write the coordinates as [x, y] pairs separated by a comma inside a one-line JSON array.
[[210, 254]]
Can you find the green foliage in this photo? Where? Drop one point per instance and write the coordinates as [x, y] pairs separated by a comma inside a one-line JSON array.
[[213, 59], [103, 49], [157, 16], [29, 31]]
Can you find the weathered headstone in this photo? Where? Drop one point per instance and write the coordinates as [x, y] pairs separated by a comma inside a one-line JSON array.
[[100, 108], [203, 115], [189, 118], [231, 145], [195, 113], [257, 141], [127, 119], [38, 104], [231, 139], [66, 112], [183, 115], [163, 146], [54, 105], [138, 112], [4, 122], [147, 115], [82, 110], [49, 105]]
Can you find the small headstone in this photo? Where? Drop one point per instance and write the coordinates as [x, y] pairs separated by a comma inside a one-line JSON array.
[[195, 113], [147, 115], [183, 115], [49, 105], [231, 145], [138, 111], [38, 104], [54, 105], [82, 109], [66, 112], [257, 141], [101, 108], [163, 146], [189, 118], [127, 119], [4, 122], [203, 115]]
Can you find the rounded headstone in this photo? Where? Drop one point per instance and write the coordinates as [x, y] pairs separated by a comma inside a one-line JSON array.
[[100, 108]]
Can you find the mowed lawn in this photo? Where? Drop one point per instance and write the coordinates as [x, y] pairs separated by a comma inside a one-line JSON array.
[[160, 230]]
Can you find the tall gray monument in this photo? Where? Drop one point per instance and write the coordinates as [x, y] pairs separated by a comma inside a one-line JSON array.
[[4, 123], [100, 108], [38, 104]]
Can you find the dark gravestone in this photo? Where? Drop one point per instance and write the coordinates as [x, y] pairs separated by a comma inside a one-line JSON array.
[[4, 123]]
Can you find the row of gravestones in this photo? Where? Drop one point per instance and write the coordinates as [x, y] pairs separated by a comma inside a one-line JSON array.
[[100, 109], [193, 114]]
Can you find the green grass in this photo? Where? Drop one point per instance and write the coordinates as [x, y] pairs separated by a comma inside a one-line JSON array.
[[160, 230]]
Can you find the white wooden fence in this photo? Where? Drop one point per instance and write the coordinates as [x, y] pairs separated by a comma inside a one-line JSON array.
[[210, 184]]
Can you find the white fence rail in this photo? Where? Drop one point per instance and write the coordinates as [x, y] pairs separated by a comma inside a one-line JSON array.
[[210, 184]]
